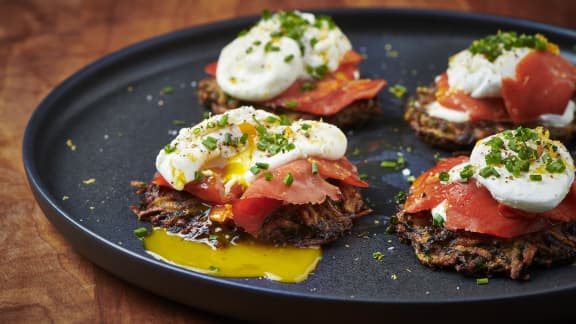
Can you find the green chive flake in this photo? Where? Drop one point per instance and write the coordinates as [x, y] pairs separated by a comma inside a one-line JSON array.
[[444, 176], [210, 143], [169, 148], [535, 177], [141, 232], [288, 179], [314, 167]]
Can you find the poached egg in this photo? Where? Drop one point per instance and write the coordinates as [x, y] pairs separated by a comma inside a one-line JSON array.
[[241, 143], [522, 169], [479, 77], [280, 49]]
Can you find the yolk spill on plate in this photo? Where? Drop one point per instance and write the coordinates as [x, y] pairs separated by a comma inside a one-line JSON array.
[[245, 259]]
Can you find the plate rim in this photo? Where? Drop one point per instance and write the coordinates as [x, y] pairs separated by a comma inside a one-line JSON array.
[[65, 223]]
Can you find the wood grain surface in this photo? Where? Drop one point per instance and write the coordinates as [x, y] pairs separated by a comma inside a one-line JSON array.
[[42, 42]]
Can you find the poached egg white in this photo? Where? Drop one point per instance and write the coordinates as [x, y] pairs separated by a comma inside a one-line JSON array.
[[535, 189], [264, 62], [241, 139]]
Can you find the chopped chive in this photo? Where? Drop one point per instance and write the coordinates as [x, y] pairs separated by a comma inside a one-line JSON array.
[[178, 122], [141, 232], [266, 14], [271, 119], [288, 58], [536, 177], [255, 169], [314, 167], [167, 90], [307, 86], [223, 121], [493, 158], [400, 197], [198, 176], [495, 142], [289, 179], [467, 172], [269, 47], [262, 165], [284, 121], [377, 255], [242, 32], [488, 171], [555, 166], [482, 281], [437, 219], [268, 176], [228, 139], [196, 131], [261, 129], [290, 104], [444, 176], [210, 143], [169, 148], [244, 138], [306, 126], [493, 46], [400, 160], [398, 90], [388, 164], [274, 149], [313, 42]]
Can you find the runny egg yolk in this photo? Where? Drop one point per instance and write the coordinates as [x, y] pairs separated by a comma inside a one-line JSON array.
[[239, 164], [246, 259]]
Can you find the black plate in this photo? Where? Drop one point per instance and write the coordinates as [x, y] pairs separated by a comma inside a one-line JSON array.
[[113, 113]]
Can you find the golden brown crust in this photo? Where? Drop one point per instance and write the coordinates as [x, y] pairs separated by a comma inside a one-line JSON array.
[[299, 225], [482, 255]]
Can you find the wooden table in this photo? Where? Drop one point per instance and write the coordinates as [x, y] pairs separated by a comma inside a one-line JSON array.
[[42, 43]]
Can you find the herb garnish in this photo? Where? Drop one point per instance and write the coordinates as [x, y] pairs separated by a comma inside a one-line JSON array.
[[466, 173], [210, 143], [493, 46], [307, 86], [314, 167], [288, 179], [169, 148], [400, 197], [141, 232], [437, 219], [398, 90], [529, 146], [444, 176], [398, 163]]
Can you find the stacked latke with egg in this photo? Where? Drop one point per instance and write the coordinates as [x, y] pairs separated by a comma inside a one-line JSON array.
[[250, 172], [292, 63], [509, 207], [499, 82]]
